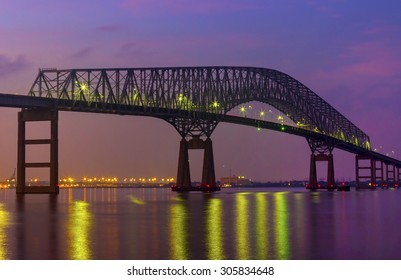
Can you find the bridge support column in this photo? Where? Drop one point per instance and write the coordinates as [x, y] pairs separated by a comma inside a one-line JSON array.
[[183, 175], [313, 183], [331, 181], [208, 176], [390, 176], [34, 116], [374, 174], [380, 176]]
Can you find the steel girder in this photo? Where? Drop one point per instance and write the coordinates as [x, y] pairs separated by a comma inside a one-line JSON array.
[[197, 90]]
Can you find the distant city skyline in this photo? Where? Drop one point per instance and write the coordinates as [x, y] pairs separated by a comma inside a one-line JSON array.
[[348, 55]]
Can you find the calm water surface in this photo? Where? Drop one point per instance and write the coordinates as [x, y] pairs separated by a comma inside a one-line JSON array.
[[109, 223]]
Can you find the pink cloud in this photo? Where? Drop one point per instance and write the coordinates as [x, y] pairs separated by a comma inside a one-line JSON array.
[[364, 69], [185, 6], [376, 59], [9, 66], [383, 30], [179, 50], [83, 53], [325, 7], [109, 28]]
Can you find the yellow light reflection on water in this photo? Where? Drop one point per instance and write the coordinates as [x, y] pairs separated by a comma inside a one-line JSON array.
[[5, 220], [261, 226], [136, 200], [242, 226], [178, 231], [214, 230], [281, 217], [79, 229]]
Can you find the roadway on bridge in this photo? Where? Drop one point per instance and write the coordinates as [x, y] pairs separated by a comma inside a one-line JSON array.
[[21, 101]]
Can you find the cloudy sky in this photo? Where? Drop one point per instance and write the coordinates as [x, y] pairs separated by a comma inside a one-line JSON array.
[[348, 52]]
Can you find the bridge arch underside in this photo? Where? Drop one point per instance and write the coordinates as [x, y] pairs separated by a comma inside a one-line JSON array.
[[195, 99]]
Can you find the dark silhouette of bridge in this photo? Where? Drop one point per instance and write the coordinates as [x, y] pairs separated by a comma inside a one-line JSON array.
[[195, 100]]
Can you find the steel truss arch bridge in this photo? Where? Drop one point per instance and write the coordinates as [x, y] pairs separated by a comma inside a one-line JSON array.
[[194, 100]]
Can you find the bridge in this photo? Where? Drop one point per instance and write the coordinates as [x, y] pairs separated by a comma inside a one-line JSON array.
[[195, 100]]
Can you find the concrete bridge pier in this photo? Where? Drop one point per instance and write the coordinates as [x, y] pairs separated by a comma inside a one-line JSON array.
[[183, 174], [372, 175], [183, 183], [392, 176], [389, 180], [208, 175], [313, 182], [37, 116]]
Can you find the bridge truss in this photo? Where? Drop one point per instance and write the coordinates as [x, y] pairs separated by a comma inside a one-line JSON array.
[[195, 99]]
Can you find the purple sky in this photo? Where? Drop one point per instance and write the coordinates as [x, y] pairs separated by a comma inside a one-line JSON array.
[[349, 53]]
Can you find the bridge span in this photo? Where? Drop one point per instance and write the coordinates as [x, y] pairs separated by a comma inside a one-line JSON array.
[[194, 100]]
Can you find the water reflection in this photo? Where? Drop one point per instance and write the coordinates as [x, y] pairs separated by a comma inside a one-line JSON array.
[[37, 227], [261, 226], [242, 226], [179, 229], [5, 221], [252, 225], [281, 225], [214, 229], [79, 230], [157, 224]]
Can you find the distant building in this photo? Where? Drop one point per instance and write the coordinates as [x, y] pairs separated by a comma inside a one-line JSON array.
[[235, 181]]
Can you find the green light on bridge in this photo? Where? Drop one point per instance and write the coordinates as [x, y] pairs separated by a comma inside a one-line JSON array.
[[215, 104], [300, 124], [282, 128], [180, 97]]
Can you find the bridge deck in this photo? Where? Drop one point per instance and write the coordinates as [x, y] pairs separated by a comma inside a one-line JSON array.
[[20, 101]]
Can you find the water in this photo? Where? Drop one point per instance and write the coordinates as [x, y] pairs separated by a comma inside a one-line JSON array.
[[153, 223]]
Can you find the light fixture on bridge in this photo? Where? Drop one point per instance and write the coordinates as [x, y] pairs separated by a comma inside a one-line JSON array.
[[180, 97], [215, 104]]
